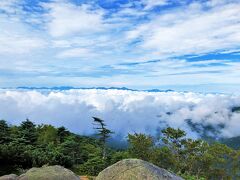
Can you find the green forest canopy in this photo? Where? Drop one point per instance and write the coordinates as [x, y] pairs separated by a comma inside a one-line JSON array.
[[29, 145]]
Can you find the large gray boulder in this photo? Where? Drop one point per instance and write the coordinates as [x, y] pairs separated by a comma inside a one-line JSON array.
[[48, 173], [9, 177], [135, 169]]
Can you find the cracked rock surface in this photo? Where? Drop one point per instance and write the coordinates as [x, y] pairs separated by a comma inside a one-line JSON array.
[[135, 169]]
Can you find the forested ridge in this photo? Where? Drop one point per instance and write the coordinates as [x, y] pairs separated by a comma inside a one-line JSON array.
[[29, 145]]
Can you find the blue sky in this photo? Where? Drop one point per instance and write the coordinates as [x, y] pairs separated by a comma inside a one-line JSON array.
[[185, 45]]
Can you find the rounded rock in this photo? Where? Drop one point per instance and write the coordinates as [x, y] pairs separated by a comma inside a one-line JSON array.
[[49, 173], [135, 169], [9, 177]]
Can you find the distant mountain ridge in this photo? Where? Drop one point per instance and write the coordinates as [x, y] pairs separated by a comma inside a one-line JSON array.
[[64, 88]]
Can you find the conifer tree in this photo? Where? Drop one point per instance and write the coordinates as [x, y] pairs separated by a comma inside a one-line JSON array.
[[28, 132], [103, 134], [4, 132]]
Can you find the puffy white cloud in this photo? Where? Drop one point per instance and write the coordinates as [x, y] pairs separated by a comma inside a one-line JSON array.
[[124, 111]]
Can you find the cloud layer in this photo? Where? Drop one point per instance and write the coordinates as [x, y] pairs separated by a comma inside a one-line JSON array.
[[125, 111]]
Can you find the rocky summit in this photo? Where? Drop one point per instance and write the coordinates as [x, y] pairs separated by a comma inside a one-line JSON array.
[[128, 169], [135, 169]]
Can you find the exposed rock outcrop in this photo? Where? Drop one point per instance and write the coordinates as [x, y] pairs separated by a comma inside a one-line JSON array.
[[9, 177], [128, 169], [44, 173], [135, 169], [48, 173]]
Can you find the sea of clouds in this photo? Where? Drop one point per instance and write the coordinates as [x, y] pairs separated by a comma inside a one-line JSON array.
[[124, 111]]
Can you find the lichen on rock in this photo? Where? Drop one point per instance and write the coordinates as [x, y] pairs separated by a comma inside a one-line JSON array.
[[135, 169], [49, 173]]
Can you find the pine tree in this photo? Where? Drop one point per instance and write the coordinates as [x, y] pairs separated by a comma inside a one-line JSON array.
[[103, 134]]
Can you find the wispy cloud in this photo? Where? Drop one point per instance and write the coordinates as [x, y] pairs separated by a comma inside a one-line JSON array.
[[16, 37], [9, 6], [77, 52], [65, 18], [149, 4], [192, 29]]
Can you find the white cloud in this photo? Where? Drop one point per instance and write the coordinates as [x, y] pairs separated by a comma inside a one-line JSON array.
[[149, 4], [106, 38], [9, 6], [18, 44], [191, 29], [141, 111], [67, 19], [76, 52], [17, 38]]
